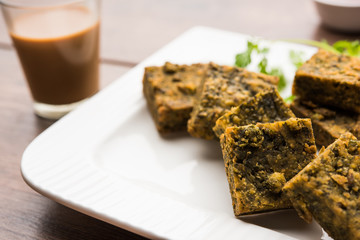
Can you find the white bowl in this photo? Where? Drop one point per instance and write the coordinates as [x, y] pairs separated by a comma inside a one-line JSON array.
[[343, 15]]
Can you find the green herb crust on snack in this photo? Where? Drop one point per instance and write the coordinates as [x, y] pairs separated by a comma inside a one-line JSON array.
[[266, 106], [170, 91], [260, 158], [223, 87], [328, 189]]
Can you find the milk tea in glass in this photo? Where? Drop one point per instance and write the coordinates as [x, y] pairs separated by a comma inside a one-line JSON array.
[[57, 43]]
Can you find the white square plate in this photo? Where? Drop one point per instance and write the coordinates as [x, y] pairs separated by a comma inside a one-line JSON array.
[[107, 160]]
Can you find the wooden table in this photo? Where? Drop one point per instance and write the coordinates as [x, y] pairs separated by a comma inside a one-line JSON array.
[[131, 31]]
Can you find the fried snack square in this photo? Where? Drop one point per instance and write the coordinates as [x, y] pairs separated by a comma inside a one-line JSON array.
[[264, 107], [170, 91], [223, 87], [260, 159], [330, 79], [328, 189], [328, 123]]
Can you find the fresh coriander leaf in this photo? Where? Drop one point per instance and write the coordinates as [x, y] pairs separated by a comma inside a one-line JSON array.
[[282, 81], [263, 68], [355, 50], [323, 44], [264, 50], [342, 45], [243, 59], [351, 48], [296, 58], [347, 47], [262, 65], [252, 45], [289, 99]]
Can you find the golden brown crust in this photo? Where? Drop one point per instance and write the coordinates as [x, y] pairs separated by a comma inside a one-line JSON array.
[[170, 91], [266, 106], [328, 124], [331, 80], [223, 88]]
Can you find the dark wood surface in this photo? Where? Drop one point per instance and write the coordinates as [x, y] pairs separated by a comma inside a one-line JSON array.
[[130, 31]]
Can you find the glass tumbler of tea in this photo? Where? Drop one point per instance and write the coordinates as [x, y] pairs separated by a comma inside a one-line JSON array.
[[57, 43]]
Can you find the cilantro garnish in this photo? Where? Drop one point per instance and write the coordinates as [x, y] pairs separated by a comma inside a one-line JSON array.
[[351, 48], [289, 99], [346, 47], [244, 59], [296, 57], [282, 81]]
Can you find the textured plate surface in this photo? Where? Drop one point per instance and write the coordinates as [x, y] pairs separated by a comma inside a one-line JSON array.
[[106, 159]]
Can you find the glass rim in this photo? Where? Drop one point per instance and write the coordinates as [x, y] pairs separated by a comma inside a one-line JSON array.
[[44, 5]]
